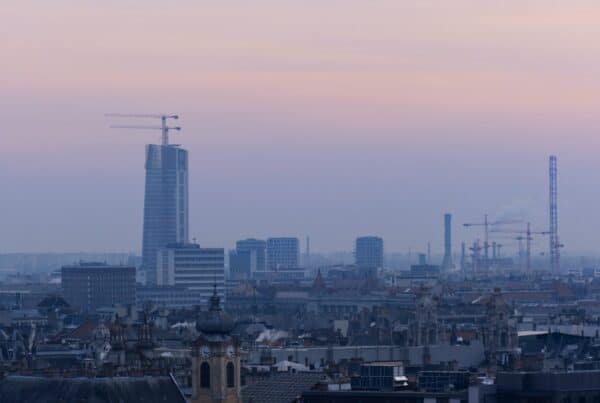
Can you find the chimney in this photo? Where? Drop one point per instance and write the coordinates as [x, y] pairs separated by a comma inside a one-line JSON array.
[[447, 263]]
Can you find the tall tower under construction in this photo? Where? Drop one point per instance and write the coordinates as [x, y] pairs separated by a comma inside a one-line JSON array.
[[553, 209], [447, 264], [166, 192], [165, 203]]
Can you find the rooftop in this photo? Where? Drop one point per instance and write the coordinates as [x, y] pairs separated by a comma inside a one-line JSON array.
[[16, 389]]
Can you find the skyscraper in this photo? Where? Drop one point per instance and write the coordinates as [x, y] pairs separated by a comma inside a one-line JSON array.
[[369, 252], [165, 203]]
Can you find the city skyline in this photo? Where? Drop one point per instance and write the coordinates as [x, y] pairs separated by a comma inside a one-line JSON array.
[[373, 100], [283, 201]]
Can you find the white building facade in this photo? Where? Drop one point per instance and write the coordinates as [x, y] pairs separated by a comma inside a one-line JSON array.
[[193, 267]]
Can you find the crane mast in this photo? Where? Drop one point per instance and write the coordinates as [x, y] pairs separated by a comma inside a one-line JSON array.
[[487, 227], [527, 238], [553, 209]]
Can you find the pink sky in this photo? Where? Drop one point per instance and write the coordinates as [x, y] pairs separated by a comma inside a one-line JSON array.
[[332, 118]]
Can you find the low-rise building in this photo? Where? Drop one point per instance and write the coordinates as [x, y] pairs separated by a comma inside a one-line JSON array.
[[172, 297], [89, 286]]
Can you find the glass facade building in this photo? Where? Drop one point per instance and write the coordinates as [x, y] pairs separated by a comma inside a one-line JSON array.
[[283, 253], [165, 203], [369, 252], [249, 257]]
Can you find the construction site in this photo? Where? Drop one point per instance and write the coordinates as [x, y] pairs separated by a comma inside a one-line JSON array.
[[508, 244]]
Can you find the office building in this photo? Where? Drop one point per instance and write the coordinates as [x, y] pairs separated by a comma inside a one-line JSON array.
[[387, 375], [165, 203], [283, 253], [425, 270], [369, 252], [193, 267], [171, 297], [442, 381], [90, 286], [248, 258]]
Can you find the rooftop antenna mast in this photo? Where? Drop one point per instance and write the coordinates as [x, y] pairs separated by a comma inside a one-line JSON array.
[[163, 123]]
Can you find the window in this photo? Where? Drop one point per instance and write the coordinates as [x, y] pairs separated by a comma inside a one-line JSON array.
[[205, 375], [230, 375]]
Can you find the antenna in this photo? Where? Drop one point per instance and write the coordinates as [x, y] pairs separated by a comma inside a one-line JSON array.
[[163, 120]]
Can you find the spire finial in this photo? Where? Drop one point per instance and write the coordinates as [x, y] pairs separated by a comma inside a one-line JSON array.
[[215, 301]]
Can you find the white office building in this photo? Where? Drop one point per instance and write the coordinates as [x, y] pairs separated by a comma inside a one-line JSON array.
[[193, 267]]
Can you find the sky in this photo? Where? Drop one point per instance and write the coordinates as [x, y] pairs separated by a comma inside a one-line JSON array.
[[332, 119]]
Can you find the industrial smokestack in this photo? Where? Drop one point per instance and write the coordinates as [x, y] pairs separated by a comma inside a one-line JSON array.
[[447, 264]]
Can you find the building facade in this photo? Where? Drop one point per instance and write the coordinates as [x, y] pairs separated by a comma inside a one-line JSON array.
[[192, 267], [216, 360], [165, 203], [283, 253], [425, 329], [550, 387], [171, 297], [368, 252], [90, 286], [499, 330], [248, 258]]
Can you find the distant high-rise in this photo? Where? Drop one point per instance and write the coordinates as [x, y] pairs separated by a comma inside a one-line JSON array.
[[447, 263], [283, 253], [248, 257], [165, 203], [369, 252]]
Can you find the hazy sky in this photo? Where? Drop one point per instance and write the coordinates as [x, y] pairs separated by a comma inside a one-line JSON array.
[[328, 118]]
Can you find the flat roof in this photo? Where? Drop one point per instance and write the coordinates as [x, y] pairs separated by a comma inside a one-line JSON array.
[[383, 364], [523, 333]]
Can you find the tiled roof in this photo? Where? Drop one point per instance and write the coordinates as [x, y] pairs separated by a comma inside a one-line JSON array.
[[281, 387], [17, 389]]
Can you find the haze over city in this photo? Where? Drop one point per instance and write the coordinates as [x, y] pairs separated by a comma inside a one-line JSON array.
[[329, 119], [344, 201]]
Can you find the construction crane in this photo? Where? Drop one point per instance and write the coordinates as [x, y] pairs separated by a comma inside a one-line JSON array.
[[163, 120], [527, 237], [486, 232], [553, 224]]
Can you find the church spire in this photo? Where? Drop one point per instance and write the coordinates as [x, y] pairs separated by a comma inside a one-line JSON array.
[[215, 301]]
